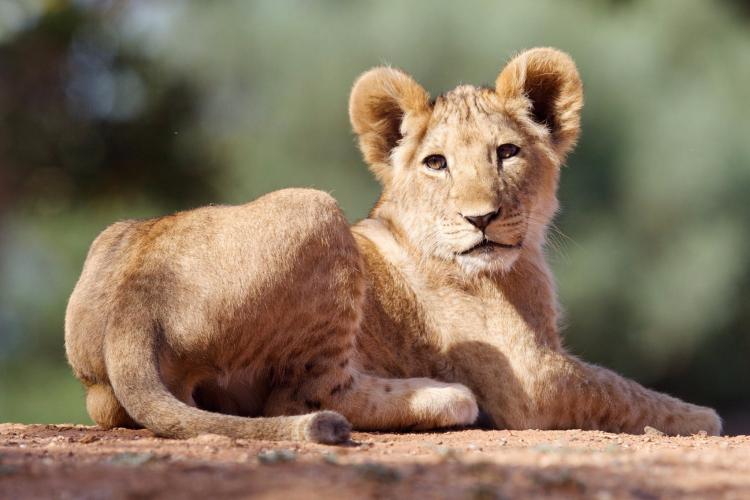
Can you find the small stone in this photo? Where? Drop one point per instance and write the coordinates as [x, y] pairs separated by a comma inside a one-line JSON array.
[[446, 453], [331, 458], [652, 431], [58, 441], [560, 479], [132, 459], [213, 440], [276, 456], [378, 472], [612, 448], [485, 491], [547, 448], [7, 470], [88, 438]]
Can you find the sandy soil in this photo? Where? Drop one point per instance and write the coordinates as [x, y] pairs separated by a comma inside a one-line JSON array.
[[67, 461]]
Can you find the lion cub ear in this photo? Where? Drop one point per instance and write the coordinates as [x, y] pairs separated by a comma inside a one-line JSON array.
[[544, 84], [385, 107]]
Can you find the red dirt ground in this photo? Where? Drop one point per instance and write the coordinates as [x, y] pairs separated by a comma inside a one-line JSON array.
[[71, 461]]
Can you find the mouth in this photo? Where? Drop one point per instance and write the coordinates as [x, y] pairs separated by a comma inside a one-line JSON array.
[[487, 246]]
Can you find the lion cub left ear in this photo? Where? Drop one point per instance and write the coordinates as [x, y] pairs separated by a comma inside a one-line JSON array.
[[386, 107], [544, 84]]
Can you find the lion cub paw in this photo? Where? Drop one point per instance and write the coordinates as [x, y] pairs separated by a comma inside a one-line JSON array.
[[328, 427], [692, 419], [700, 419], [444, 405]]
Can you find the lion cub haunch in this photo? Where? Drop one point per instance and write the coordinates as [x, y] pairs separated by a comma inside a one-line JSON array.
[[276, 320], [207, 309]]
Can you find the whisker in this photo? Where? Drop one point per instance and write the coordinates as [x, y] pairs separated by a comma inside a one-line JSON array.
[[555, 229], [463, 231]]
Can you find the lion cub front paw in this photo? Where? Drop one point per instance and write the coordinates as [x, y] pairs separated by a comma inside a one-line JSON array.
[[444, 405], [694, 420], [700, 419]]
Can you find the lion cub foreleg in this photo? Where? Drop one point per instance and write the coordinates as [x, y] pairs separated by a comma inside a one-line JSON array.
[[373, 403], [577, 394], [562, 392], [329, 381]]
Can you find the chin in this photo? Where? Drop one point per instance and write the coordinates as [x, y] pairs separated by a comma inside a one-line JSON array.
[[499, 260]]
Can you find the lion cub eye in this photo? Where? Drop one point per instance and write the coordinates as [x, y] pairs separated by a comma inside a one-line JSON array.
[[505, 151], [436, 162]]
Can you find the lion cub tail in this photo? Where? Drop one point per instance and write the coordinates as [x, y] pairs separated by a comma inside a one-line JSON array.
[[133, 368]]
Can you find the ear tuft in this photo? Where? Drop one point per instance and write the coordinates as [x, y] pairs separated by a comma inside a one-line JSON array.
[[546, 84], [381, 101]]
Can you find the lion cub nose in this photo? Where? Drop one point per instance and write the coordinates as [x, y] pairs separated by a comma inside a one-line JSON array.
[[482, 221]]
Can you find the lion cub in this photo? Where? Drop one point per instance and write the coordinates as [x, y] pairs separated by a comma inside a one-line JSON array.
[[277, 310]]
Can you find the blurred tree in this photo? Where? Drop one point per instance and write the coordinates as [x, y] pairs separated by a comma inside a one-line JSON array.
[[84, 118], [87, 124], [114, 109]]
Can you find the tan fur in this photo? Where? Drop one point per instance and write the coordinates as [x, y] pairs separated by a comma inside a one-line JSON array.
[[278, 308]]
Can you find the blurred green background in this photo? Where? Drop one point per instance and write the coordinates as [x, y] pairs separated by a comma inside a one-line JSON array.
[[115, 109]]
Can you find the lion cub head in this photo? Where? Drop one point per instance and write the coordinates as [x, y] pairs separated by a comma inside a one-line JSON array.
[[471, 176]]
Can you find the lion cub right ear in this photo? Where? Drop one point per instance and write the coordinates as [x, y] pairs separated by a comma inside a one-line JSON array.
[[386, 107]]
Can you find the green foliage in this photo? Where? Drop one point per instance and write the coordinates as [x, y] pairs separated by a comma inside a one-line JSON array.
[[89, 119], [223, 101], [39, 391]]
